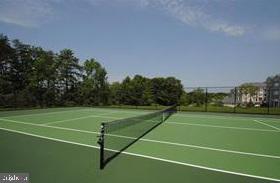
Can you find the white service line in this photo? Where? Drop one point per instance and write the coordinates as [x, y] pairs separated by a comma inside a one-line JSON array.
[[54, 127], [169, 122], [154, 141], [74, 119], [258, 121], [145, 156]]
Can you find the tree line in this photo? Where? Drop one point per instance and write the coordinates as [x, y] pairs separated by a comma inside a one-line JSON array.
[[33, 76]]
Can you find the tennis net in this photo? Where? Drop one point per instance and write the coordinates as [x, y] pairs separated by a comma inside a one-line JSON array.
[[118, 135]]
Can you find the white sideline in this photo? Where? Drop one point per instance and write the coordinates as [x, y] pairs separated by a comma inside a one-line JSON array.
[[145, 156], [154, 141], [183, 114], [47, 113], [258, 121], [226, 127], [170, 122]]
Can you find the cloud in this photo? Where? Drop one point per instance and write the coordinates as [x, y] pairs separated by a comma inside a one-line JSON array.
[[27, 13], [33, 13], [192, 14]]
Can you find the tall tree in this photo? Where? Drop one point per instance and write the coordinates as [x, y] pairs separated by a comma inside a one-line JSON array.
[[6, 57], [95, 88], [141, 91], [197, 97], [167, 91], [116, 93], [69, 72], [43, 76], [21, 67]]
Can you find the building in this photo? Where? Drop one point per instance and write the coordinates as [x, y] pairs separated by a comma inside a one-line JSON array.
[[267, 94], [273, 91], [258, 98], [237, 96]]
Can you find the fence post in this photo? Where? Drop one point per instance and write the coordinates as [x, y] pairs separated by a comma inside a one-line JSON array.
[[206, 99], [268, 100], [235, 99]]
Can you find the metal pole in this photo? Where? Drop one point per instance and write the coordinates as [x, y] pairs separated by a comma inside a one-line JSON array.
[[206, 99], [268, 100], [235, 99]]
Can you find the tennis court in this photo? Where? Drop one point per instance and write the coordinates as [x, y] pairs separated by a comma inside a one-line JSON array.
[[60, 145]]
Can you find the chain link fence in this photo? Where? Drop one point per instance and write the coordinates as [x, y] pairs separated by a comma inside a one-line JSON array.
[[260, 100]]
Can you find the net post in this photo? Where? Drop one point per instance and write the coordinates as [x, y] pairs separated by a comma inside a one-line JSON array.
[[162, 117], [101, 143]]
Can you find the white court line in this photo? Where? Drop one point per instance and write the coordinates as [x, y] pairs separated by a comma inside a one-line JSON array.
[[182, 114], [170, 122], [145, 156], [155, 141], [214, 117], [223, 127], [74, 119], [258, 121], [47, 113]]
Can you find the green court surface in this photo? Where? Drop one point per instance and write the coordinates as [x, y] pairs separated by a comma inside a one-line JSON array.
[[60, 145]]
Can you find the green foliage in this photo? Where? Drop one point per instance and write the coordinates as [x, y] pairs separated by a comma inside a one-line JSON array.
[[167, 91], [32, 76], [197, 97], [142, 91], [95, 88]]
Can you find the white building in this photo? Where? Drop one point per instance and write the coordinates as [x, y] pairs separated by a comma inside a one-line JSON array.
[[257, 99]]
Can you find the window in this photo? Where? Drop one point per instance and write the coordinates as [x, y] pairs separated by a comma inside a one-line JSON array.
[[276, 92], [276, 84]]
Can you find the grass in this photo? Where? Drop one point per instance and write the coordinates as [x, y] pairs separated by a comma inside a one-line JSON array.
[[59, 145]]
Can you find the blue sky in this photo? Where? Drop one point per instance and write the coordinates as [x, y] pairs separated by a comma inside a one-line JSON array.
[[201, 42]]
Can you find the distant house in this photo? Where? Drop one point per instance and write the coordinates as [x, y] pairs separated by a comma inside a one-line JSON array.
[[257, 99], [268, 93]]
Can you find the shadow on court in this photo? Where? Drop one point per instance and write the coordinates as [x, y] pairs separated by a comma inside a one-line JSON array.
[[49, 161]]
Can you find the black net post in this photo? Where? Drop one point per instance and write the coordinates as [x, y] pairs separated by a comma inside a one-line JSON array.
[[134, 128], [206, 99], [235, 99], [101, 143]]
